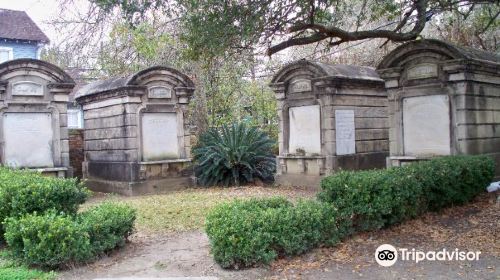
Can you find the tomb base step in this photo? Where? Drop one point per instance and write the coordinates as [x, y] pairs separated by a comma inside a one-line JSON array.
[[299, 180], [60, 172], [151, 186]]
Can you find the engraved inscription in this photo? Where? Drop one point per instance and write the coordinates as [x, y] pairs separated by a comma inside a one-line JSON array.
[[28, 139], [159, 136], [300, 86], [160, 92], [422, 71], [345, 132], [27, 89]]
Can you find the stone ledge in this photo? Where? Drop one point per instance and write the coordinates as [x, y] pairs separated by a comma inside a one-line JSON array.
[[166, 161], [301, 157]]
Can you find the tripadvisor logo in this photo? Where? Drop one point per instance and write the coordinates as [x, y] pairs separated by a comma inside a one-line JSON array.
[[387, 255]]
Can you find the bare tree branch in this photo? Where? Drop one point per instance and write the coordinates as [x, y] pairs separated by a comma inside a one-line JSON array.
[[321, 32]]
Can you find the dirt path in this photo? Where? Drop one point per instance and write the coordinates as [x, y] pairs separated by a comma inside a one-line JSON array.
[[473, 227], [174, 255]]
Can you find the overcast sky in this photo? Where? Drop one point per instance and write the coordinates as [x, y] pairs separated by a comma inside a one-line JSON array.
[[40, 11]]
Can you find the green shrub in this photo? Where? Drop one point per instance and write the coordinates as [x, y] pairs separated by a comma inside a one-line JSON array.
[[246, 232], [380, 198], [23, 192], [455, 180], [108, 225], [48, 240], [56, 240], [235, 154]]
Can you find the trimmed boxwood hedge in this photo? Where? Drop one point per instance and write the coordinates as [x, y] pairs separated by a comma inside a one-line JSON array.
[[42, 224], [56, 240], [108, 225], [23, 192], [379, 198], [245, 233], [47, 240]]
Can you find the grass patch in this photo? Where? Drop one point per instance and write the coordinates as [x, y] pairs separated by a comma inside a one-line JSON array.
[[186, 210], [10, 270]]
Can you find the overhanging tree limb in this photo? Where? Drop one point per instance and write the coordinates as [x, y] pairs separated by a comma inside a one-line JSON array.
[[321, 32]]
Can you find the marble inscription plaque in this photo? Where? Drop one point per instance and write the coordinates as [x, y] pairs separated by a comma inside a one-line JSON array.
[[28, 139], [160, 92], [422, 71], [426, 125], [159, 136], [345, 140], [27, 89], [300, 86], [305, 131]]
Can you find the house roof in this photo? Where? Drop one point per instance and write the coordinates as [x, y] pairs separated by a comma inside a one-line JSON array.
[[17, 25]]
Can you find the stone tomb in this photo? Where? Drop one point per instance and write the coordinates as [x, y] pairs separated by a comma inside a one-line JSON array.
[[33, 116], [332, 117], [443, 100], [136, 139]]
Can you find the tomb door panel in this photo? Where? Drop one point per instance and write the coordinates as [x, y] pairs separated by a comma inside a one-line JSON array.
[[159, 136], [28, 139], [426, 125], [305, 129]]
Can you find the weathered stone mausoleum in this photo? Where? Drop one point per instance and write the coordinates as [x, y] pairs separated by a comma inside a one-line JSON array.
[[33, 116], [443, 100], [136, 137], [331, 117]]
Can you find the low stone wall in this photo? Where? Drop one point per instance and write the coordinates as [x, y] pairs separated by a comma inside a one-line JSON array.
[[76, 155]]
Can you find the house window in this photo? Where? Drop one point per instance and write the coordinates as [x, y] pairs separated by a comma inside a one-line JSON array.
[[6, 54], [75, 118]]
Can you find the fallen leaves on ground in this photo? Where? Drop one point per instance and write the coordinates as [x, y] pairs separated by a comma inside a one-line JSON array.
[[474, 226]]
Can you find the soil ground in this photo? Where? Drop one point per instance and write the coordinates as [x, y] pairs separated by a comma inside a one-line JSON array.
[[472, 227]]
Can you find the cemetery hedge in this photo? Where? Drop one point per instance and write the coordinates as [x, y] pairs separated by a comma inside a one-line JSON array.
[[56, 240], [245, 233], [379, 198], [43, 226], [23, 192], [108, 225], [47, 240]]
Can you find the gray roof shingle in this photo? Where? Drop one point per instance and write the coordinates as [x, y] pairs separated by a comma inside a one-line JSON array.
[[17, 25]]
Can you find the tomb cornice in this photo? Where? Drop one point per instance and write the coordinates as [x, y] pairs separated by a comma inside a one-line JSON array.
[[346, 82], [131, 91], [60, 85], [3, 86], [390, 73], [184, 91], [183, 94], [456, 66]]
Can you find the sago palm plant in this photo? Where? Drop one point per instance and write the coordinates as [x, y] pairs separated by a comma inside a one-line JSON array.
[[233, 155]]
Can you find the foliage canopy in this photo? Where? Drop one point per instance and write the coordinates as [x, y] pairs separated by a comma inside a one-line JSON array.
[[214, 27]]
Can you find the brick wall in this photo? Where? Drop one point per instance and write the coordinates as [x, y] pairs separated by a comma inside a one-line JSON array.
[[76, 151]]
